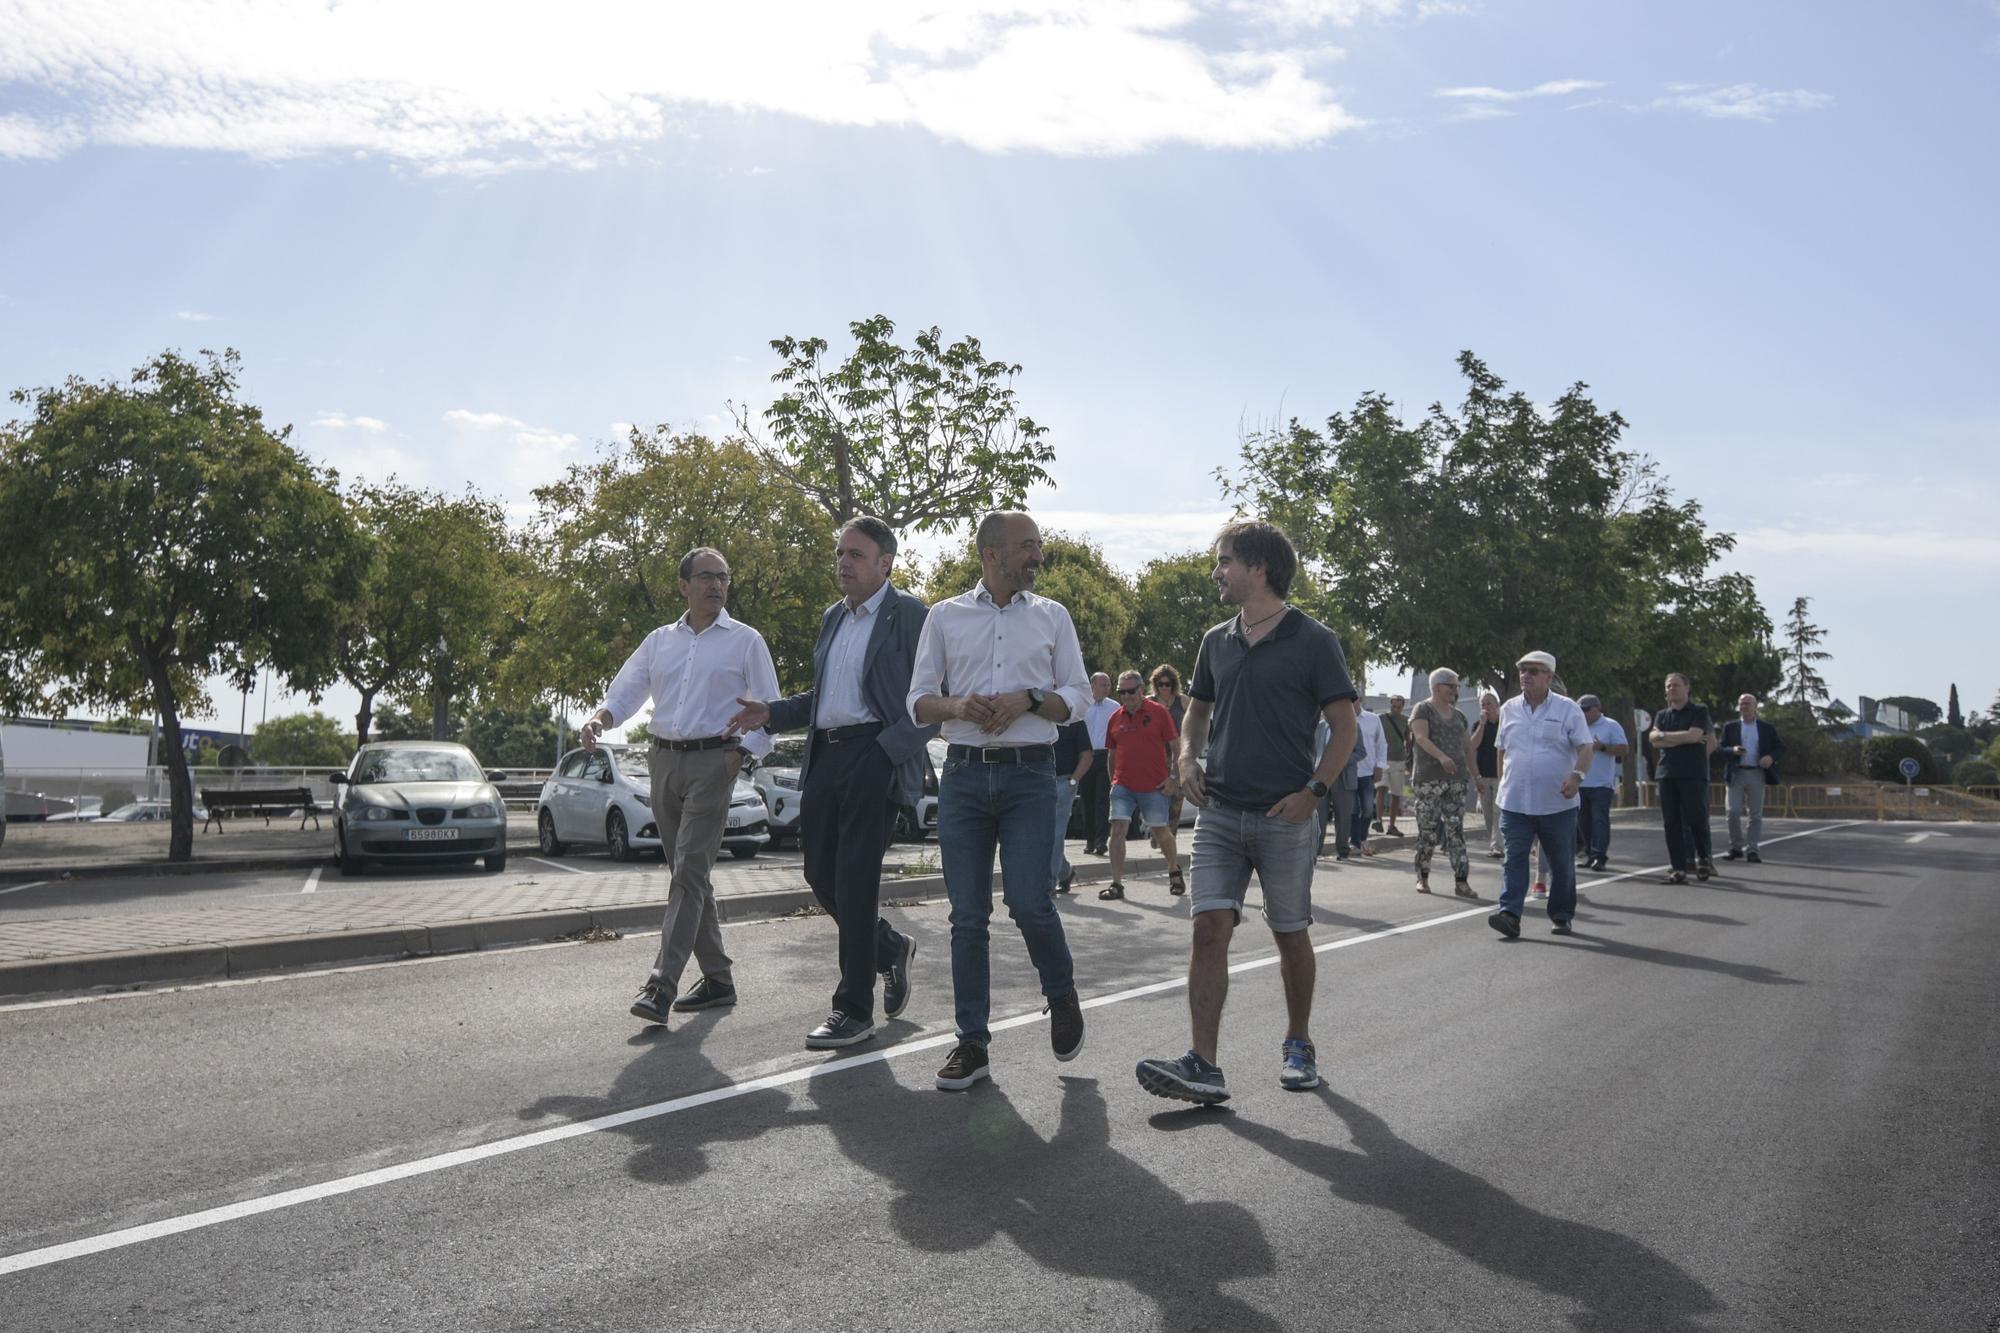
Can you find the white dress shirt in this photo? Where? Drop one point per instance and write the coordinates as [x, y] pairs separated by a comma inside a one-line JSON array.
[[1098, 717], [694, 680], [841, 703], [1540, 745], [1376, 753], [970, 645], [1749, 743]]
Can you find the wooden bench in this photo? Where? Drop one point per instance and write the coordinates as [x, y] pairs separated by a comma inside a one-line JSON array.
[[265, 801]]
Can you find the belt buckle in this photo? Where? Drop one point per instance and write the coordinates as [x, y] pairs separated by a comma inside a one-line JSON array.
[[986, 753]]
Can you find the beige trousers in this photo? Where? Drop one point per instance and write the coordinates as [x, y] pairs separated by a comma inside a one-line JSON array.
[[690, 805]]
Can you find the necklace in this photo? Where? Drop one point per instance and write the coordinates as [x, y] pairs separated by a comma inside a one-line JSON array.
[[1245, 628]]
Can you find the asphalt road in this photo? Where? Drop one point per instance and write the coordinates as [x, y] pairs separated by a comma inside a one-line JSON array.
[[1763, 1103]]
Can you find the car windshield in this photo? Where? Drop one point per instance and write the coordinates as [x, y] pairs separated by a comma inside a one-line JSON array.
[[635, 762], [418, 766], [787, 753]]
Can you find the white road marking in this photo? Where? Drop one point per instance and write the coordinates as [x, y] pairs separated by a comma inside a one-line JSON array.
[[173, 1226], [1919, 837], [36, 884], [312, 881], [555, 865]]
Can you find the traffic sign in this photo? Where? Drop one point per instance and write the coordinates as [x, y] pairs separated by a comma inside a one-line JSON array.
[[1909, 769]]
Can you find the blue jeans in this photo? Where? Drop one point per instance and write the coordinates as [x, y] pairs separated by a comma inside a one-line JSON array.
[[1593, 821], [1008, 805], [1364, 809], [1557, 834], [1059, 858]]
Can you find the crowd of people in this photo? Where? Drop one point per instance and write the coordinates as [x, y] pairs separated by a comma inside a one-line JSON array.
[[1268, 738]]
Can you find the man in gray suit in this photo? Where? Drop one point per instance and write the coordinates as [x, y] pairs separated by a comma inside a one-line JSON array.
[[864, 759]]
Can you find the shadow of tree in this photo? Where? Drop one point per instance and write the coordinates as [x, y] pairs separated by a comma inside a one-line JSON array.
[[1620, 1284], [1738, 887], [1640, 953], [969, 1169]]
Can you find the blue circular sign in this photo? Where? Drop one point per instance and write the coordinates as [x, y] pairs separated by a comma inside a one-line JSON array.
[[1909, 769]]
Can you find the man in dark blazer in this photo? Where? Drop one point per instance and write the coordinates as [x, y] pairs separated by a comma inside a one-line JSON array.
[[865, 758], [1751, 748]]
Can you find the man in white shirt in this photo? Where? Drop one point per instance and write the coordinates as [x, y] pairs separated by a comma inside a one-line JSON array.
[[694, 671], [999, 667], [1545, 752], [1593, 816], [1095, 789], [1374, 759]]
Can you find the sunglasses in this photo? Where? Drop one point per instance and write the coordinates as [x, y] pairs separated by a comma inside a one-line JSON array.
[[1128, 689]]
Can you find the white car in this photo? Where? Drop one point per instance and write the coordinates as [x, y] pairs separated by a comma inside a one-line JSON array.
[[148, 812], [776, 778], [604, 797], [90, 809]]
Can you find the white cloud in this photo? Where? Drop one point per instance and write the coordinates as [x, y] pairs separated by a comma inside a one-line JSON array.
[[1915, 548], [1739, 101], [193, 316], [474, 86], [1553, 88], [535, 439], [342, 421]]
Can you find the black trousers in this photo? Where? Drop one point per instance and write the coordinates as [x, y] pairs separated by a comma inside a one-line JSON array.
[[1684, 807], [844, 820], [1095, 789]]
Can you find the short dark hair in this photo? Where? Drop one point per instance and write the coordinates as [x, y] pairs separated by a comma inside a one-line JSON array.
[[1264, 546], [687, 561], [992, 526], [874, 529]]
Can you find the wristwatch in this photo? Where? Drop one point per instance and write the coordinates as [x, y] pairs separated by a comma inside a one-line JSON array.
[[1035, 698], [1317, 788], [1578, 773]]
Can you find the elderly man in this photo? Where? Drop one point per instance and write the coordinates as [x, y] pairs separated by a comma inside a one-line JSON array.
[[1095, 786], [1682, 737], [1608, 749], [1143, 742], [1753, 748], [694, 670], [1395, 776], [865, 756], [1545, 749], [1000, 669]]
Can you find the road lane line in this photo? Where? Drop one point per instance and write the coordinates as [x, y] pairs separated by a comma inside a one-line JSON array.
[[312, 881], [18, 887], [1919, 837], [556, 865], [173, 1226]]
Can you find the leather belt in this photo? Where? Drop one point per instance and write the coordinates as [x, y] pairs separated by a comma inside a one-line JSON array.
[[704, 743], [1001, 754], [835, 735]]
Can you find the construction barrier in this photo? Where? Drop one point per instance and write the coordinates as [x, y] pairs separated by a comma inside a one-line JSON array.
[[1859, 800]]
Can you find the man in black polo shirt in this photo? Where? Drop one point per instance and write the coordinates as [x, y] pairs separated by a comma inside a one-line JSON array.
[[1682, 737], [1265, 677]]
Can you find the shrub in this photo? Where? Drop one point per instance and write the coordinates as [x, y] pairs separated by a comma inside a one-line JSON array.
[[1883, 754], [1808, 752], [1975, 773]]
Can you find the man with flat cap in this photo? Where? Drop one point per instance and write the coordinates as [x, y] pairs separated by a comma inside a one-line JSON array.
[[1545, 748]]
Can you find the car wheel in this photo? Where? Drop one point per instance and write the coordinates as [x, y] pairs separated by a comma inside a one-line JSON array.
[[496, 861], [546, 827], [906, 825], [616, 837], [350, 864], [743, 853]]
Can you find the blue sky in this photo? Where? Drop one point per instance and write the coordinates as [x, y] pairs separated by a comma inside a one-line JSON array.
[[461, 241]]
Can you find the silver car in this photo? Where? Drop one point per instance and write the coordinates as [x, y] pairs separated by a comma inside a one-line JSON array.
[[605, 797], [423, 801]]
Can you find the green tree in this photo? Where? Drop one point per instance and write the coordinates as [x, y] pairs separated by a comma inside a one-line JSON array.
[[926, 437], [1883, 755], [302, 740], [506, 739], [408, 720], [603, 553], [1809, 751], [1174, 603], [130, 724], [1075, 573], [1949, 743], [1923, 710], [1951, 714], [1975, 773], [437, 604], [1752, 667], [154, 534], [1803, 683]]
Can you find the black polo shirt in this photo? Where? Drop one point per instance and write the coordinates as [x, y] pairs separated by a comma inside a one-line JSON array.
[[1268, 697], [1683, 761], [1072, 739]]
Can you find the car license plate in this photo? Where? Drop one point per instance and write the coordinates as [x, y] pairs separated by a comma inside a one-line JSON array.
[[431, 834]]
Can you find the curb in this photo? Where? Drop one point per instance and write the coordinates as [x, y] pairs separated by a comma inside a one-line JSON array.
[[134, 968], [10, 874]]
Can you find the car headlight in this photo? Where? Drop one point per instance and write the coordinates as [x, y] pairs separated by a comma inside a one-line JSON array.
[[789, 781], [377, 813], [480, 810], [646, 801]]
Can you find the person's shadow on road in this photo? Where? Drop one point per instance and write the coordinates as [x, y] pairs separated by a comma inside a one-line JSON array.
[[967, 1169], [1619, 1283]]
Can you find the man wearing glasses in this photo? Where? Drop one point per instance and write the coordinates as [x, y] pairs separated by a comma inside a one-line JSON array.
[[694, 671], [1143, 742], [1545, 748]]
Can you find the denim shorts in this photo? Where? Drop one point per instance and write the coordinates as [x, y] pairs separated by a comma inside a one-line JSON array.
[[1230, 842], [1152, 805]]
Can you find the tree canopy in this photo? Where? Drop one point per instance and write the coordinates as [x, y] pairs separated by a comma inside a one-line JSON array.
[[302, 740], [156, 533], [1075, 573]]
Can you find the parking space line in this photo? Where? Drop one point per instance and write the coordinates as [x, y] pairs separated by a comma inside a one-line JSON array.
[[312, 881], [556, 865], [36, 884], [172, 1226]]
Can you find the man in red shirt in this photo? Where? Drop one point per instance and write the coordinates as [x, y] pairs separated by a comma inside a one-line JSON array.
[[1144, 744]]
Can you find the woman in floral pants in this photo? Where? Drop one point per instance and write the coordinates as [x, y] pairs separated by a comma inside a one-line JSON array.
[[1442, 761]]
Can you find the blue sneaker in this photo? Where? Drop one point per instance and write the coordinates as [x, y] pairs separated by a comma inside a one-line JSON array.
[[1188, 1079], [1300, 1073]]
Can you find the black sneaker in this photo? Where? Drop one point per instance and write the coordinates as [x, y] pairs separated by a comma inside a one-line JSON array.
[[839, 1030], [1188, 1079], [896, 980], [1753, 858], [1704, 870], [1065, 1026], [1507, 923], [1068, 878], [1561, 928], [652, 1003], [707, 994], [1732, 855], [964, 1067]]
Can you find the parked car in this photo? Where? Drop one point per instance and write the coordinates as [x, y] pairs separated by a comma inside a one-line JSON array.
[[418, 801], [86, 810], [924, 822], [776, 778], [604, 797], [147, 812]]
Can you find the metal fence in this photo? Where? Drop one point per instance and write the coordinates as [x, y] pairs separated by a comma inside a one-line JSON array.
[[37, 793], [1860, 800]]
